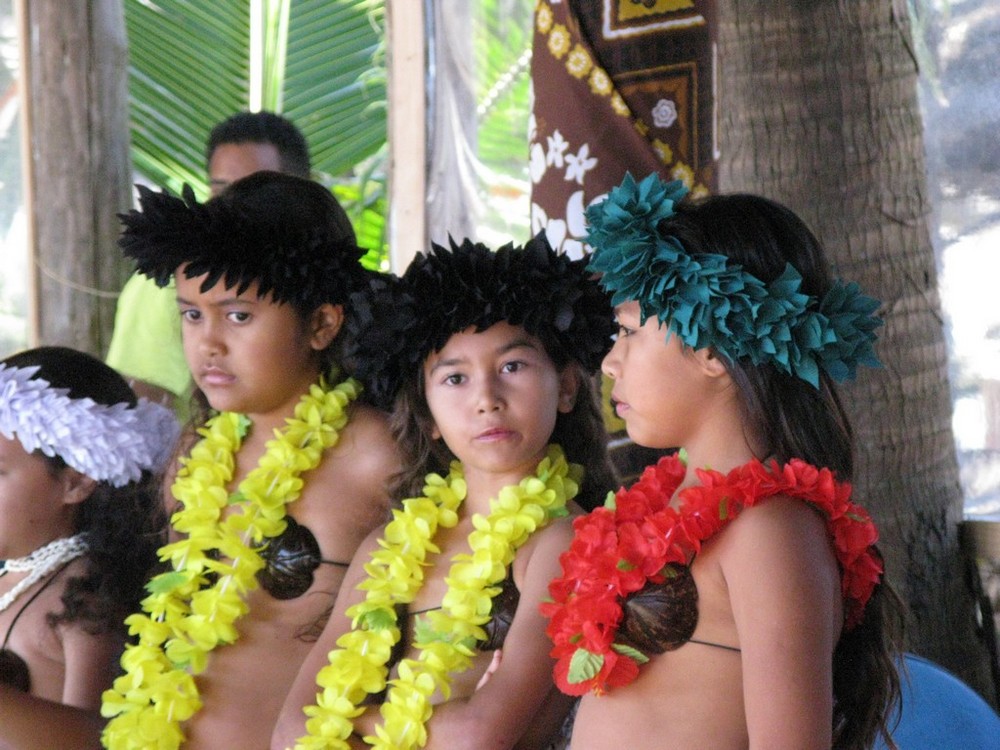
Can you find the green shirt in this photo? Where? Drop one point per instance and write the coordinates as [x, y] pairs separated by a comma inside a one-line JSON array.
[[146, 342]]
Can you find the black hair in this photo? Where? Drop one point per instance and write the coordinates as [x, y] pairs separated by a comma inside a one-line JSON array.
[[124, 525], [785, 417], [287, 234], [264, 127]]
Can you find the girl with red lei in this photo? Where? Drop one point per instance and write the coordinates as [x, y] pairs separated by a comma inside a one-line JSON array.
[[733, 597]]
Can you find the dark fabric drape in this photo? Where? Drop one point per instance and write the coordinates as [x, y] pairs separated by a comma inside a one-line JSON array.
[[619, 85]]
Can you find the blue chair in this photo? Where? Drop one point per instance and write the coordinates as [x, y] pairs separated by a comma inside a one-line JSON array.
[[940, 712]]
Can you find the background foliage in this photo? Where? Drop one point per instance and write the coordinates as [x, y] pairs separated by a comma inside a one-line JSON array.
[[318, 62]]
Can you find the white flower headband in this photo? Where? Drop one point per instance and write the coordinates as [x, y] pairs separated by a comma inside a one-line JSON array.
[[107, 443]]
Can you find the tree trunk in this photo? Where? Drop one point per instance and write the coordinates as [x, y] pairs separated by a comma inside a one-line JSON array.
[[78, 66], [818, 109]]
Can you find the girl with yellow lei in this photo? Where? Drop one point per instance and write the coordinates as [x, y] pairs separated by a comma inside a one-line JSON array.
[[487, 355], [285, 480]]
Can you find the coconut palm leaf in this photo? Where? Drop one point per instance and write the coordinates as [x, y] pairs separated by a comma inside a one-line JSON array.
[[319, 62]]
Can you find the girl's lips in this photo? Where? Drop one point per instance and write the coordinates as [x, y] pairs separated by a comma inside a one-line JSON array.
[[215, 376], [620, 407], [494, 434]]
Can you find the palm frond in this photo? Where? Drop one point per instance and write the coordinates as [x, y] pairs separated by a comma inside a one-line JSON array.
[[322, 66]]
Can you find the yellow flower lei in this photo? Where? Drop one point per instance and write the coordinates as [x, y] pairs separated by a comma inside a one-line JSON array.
[[193, 608], [446, 638]]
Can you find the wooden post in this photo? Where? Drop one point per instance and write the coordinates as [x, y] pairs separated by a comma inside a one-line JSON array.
[[76, 79]]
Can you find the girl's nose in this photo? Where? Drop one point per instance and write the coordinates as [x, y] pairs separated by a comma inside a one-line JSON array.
[[489, 398], [610, 364], [209, 340]]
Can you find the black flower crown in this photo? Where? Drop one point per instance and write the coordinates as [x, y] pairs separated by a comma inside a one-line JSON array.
[[398, 322], [287, 234]]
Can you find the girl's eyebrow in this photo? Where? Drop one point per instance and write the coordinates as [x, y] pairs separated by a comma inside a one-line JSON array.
[[218, 303], [620, 315], [445, 363], [517, 343]]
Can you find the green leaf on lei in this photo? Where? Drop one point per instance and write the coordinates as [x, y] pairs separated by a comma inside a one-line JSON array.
[[379, 619], [635, 655], [243, 423], [424, 633], [559, 512], [584, 666], [164, 583]]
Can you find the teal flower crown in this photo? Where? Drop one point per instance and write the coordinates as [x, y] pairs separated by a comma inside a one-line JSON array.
[[710, 301]]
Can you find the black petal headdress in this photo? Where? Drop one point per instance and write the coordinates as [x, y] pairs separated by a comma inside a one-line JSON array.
[[286, 233], [400, 321]]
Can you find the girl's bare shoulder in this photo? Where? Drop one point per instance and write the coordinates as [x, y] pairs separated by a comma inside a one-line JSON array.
[[779, 552], [354, 475], [367, 443], [542, 550], [778, 522]]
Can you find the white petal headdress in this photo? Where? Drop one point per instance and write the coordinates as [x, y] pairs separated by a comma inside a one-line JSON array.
[[108, 443]]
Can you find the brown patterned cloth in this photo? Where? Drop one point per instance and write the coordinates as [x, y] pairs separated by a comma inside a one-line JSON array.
[[619, 85]]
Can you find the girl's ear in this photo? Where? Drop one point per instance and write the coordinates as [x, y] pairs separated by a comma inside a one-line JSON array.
[[77, 487], [324, 325], [710, 363], [569, 386]]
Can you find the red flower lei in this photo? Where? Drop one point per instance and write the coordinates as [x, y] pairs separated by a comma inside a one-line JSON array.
[[618, 548]]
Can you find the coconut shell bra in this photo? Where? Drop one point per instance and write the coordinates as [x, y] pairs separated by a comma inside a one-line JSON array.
[[290, 560], [501, 616]]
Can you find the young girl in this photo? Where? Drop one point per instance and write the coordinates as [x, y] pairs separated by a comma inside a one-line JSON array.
[[80, 522], [284, 481], [493, 352], [731, 598]]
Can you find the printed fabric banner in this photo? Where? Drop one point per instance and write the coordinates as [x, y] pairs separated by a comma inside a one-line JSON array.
[[619, 85]]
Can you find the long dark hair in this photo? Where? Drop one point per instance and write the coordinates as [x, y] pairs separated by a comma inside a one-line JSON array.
[[124, 525], [786, 417], [580, 432]]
